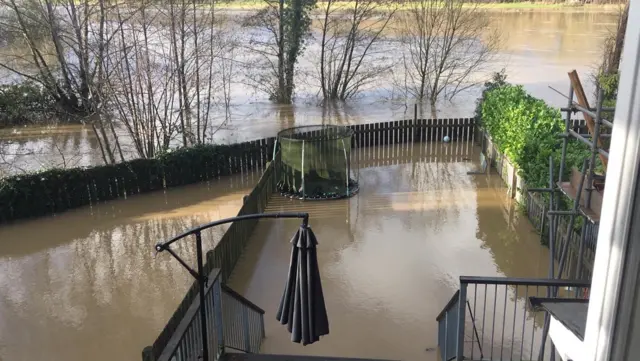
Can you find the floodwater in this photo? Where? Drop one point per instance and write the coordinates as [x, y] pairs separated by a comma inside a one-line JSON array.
[[391, 256], [538, 49], [87, 284]]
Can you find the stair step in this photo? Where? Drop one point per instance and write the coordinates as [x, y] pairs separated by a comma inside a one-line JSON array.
[[269, 357]]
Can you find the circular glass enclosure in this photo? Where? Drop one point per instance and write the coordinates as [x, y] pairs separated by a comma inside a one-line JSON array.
[[316, 162]]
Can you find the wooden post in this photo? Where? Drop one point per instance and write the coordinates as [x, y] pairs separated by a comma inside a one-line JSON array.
[[584, 102]]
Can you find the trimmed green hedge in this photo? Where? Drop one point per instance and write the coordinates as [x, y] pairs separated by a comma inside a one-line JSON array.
[[526, 129], [57, 190]]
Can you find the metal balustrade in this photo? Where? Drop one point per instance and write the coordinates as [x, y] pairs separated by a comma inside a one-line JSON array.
[[448, 328], [489, 318], [232, 322], [243, 322]]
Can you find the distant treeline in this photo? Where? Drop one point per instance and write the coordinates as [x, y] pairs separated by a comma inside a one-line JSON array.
[[568, 2]]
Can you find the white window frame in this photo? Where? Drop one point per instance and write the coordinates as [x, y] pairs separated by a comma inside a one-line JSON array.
[[607, 302]]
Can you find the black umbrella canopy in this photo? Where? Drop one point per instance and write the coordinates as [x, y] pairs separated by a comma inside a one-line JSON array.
[[302, 306]]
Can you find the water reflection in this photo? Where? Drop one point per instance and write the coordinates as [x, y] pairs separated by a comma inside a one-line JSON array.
[[87, 284]]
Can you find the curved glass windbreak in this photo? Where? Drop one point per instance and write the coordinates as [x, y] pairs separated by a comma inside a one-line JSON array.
[[316, 162]]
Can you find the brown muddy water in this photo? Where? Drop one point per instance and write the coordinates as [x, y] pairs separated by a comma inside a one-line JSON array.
[[391, 256], [87, 285], [538, 49]]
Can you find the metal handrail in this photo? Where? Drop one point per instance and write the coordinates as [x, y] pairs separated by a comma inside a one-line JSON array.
[[523, 281], [242, 322], [164, 245], [503, 322], [449, 305], [238, 324], [240, 298], [475, 329], [175, 344]]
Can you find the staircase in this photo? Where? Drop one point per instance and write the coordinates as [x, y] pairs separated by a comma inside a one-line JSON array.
[[489, 318], [234, 324]]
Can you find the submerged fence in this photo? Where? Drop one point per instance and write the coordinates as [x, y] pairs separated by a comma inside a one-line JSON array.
[[412, 130], [58, 190]]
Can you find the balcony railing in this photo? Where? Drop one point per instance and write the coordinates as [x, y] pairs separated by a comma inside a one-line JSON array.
[[490, 318], [232, 322], [242, 322]]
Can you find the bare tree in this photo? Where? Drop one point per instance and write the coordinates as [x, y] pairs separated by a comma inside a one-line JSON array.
[[169, 80], [447, 43], [283, 29], [351, 51], [615, 42], [53, 31], [67, 43]]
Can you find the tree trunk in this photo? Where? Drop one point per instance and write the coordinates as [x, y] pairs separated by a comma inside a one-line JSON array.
[[280, 97]]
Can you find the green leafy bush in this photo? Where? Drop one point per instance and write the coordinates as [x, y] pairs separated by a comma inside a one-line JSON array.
[[526, 130], [609, 83], [25, 103], [497, 80]]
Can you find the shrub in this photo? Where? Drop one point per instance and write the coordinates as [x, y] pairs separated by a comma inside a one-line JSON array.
[[526, 130], [25, 103]]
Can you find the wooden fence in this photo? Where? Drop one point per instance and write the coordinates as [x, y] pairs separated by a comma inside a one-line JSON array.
[[412, 130]]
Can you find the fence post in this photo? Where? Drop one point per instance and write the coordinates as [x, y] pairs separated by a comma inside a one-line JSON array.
[[461, 318], [245, 326], [217, 319], [147, 354]]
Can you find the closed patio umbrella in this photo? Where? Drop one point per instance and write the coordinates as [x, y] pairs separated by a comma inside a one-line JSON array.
[[302, 306]]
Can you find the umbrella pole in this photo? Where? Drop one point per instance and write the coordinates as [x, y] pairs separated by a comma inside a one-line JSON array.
[[202, 283]]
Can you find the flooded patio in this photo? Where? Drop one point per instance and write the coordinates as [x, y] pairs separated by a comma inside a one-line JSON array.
[[79, 282], [391, 256]]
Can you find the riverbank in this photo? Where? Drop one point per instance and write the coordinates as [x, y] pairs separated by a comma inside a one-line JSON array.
[[517, 7]]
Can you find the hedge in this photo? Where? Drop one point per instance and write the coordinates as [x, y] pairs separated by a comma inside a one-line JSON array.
[[526, 129], [57, 190]]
